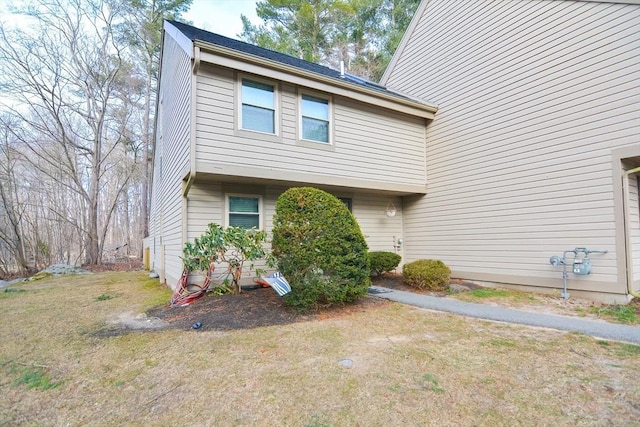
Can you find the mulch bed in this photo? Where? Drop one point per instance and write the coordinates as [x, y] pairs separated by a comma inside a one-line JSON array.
[[251, 309], [263, 307]]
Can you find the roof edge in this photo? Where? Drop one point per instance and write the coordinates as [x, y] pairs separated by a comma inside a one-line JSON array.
[[182, 40], [266, 62]]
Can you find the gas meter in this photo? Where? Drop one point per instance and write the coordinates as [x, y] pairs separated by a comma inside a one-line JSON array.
[[582, 266], [581, 261]]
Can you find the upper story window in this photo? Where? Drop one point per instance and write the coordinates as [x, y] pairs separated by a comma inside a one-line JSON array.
[[315, 122], [258, 106], [244, 211]]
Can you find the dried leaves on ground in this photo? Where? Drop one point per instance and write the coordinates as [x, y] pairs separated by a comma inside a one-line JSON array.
[[378, 364]]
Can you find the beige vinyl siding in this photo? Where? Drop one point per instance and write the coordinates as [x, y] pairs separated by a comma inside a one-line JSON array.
[[533, 96], [379, 230], [171, 159], [205, 205], [369, 144]]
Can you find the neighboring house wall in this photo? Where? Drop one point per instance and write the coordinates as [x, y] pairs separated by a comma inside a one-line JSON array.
[[378, 147], [533, 97], [171, 161]]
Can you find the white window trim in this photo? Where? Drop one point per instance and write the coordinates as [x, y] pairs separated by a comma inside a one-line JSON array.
[[276, 103], [320, 95], [255, 196]]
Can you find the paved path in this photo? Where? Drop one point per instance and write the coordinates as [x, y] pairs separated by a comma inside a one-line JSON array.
[[595, 328]]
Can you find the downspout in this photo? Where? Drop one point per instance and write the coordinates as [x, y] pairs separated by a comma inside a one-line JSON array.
[[626, 211], [192, 134]]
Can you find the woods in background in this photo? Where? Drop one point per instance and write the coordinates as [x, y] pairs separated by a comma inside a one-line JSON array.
[[363, 34], [78, 85]]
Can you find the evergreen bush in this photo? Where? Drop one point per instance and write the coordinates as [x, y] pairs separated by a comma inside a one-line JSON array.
[[428, 274], [319, 248], [382, 262]]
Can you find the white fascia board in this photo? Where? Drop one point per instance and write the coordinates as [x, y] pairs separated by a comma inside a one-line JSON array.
[[183, 41], [275, 70]]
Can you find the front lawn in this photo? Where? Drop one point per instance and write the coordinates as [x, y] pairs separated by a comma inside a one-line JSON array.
[[379, 365]]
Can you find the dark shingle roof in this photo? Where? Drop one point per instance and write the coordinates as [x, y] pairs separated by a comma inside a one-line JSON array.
[[194, 33]]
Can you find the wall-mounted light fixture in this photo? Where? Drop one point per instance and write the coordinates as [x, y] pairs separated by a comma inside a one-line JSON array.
[[397, 243], [390, 211]]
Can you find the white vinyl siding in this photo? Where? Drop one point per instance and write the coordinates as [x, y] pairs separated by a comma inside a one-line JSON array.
[[171, 160], [366, 139], [532, 96]]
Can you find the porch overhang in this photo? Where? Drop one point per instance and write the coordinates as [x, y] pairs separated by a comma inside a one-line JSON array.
[[264, 175]]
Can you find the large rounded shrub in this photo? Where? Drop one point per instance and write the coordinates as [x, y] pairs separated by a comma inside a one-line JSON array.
[[319, 249], [429, 274], [382, 262]]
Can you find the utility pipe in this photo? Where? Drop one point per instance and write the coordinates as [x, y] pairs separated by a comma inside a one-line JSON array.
[[627, 232]]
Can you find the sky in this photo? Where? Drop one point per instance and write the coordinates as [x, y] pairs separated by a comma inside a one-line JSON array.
[[222, 16], [218, 16]]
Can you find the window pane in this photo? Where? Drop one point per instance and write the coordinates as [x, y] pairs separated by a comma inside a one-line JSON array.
[[315, 107], [256, 118], [243, 204], [244, 220], [315, 130], [257, 94]]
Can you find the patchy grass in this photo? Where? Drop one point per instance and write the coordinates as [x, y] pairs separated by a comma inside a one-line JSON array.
[[409, 367], [617, 313], [105, 297], [484, 295], [33, 377]]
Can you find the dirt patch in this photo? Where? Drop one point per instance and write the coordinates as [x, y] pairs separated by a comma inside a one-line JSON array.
[[126, 264], [263, 307], [251, 309], [396, 282]]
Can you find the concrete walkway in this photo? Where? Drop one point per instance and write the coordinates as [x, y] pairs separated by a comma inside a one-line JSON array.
[[595, 328]]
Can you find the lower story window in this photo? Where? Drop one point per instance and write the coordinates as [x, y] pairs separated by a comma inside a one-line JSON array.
[[347, 202], [244, 211]]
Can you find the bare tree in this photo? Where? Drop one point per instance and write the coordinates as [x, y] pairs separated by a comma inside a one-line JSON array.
[[142, 31], [69, 78], [12, 209]]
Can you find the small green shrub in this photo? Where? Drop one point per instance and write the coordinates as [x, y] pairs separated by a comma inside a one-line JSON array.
[[319, 248], [428, 274], [382, 262]]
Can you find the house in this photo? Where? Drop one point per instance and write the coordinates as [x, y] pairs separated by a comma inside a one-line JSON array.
[[536, 142], [237, 125], [533, 149]]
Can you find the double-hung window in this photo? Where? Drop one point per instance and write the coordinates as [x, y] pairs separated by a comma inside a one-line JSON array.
[[244, 211], [258, 106], [315, 124]]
